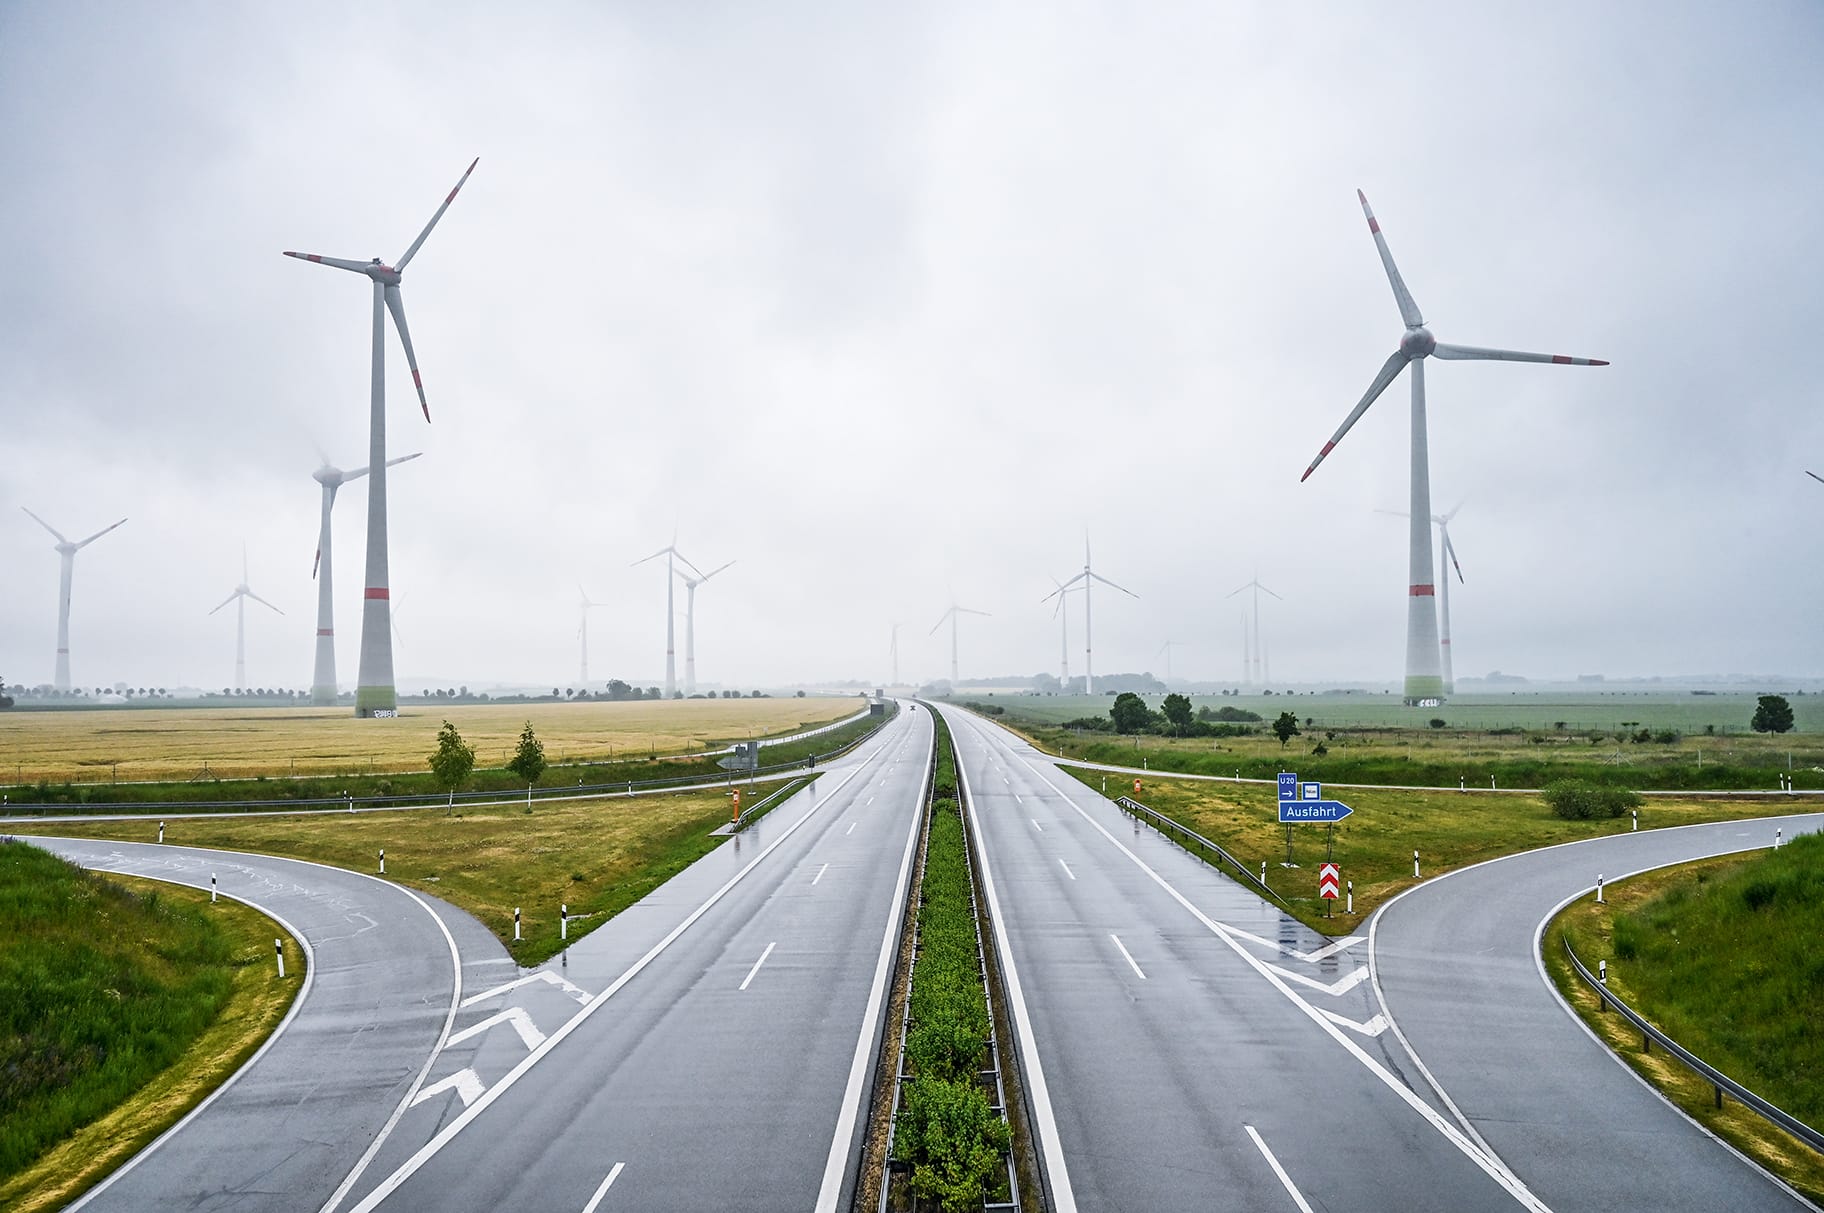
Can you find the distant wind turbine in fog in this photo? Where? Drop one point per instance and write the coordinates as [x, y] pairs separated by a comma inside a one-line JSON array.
[[1086, 577], [951, 615], [1450, 553], [893, 652], [672, 558], [690, 623], [66, 551], [1253, 665], [243, 593], [1424, 679], [374, 691], [582, 635], [1062, 615], [323, 683], [1167, 648]]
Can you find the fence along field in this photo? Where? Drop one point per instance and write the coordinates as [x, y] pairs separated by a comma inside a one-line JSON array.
[[187, 743]]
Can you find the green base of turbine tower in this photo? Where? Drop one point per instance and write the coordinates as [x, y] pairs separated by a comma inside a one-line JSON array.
[[376, 701], [1424, 691]]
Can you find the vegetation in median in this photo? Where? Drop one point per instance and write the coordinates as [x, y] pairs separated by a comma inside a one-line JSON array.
[[1721, 956], [947, 1129], [106, 986]]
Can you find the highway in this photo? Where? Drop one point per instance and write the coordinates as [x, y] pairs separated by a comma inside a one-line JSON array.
[[1184, 1044], [1457, 962]]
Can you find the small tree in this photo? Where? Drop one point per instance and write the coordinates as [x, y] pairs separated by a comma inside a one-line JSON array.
[[1285, 728], [528, 760], [1581, 800], [453, 762], [1130, 713], [1772, 715], [1177, 709]]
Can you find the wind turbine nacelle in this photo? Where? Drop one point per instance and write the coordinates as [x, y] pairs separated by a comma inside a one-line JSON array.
[[1418, 343], [383, 273]]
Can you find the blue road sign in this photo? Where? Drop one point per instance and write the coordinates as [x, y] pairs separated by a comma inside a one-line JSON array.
[[1288, 786], [1313, 811]]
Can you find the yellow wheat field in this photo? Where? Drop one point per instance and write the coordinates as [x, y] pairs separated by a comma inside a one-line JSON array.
[[180, 743]]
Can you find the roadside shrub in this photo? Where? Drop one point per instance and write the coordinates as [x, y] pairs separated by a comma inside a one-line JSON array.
[[953, 1140], [1436, 722], [1093, 724], [1667, 737], [1581, 800]]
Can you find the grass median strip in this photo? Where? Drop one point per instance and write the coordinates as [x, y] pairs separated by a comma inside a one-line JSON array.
[[1720, 955], [123, 1003]]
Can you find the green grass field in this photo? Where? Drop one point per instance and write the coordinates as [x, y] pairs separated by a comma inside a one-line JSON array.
[[1722, 956]]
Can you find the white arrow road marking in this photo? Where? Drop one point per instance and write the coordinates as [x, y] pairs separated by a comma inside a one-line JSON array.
[[758, 963], [576, 992], [522, 1023], [1067, 870], [1127, 956], [596, 1200], [1374, 1027], [466, 1083], [1323, 953], [1278, 1170], [1335, 989]]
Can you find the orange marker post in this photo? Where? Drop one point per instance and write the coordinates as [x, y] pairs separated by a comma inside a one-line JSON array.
[[737, 799]]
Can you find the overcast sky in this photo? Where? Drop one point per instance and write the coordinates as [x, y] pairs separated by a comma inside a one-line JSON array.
[[891, 305]]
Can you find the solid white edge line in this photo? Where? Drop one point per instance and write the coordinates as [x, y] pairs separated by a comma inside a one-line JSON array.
[[297, 1004], [596, 1200], [1489, 1165], [1278, 1170], [1057, 1173], [837, 1164], [448, 1133], [1127, 956], [757, 964]]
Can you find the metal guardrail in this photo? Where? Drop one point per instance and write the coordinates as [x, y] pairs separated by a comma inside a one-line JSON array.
[[1159, 821], [1718, 1080], [784, 791]]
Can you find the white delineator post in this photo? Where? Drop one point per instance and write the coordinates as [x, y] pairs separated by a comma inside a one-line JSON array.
[[1351, 903], [1415, 864], [161, 831], [278, 950], [563, 921], [1599, 888], [382, 861], [212, 888], [516, 924]]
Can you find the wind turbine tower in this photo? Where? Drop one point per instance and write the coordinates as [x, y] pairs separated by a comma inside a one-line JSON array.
[[1254, 665], [66, 552], [582, 633], [374, 691], [1167, 648], [1424, 676], [323, 683], [690, 624], [242, 593], [1086, 578], [1450, 553], [951, 615], [893, 652], [1062, 615], [673, 557]]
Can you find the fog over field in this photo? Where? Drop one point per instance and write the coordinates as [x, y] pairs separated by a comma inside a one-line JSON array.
[[890, 307]]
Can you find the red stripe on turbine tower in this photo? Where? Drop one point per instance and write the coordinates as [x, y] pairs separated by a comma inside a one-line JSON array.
[[326, 631], [376, 592], [1422, 591]]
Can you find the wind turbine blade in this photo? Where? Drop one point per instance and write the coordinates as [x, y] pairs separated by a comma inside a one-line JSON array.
[[1232, 593], [98, 534], [969, 611], [644, 559], [314, 562], [1409, 311], [713, 572], [1451, 517], [243, 563], [1476, 353], [940, 621], [406, 258], [1105, 581], [1393, 513], [395, 303], [262, 601], [403, 459], [1393, 366], [1451, 551], [358, 267], [1269, 593], [1063, 587], [1808, 472], [224, 602], [47, 526]]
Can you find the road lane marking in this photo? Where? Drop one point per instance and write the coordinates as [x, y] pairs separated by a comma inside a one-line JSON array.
[[1323, 953], [448, 1133], [1488, 1163], [860, 1066], [1335, 989], [1127, 956], [850, 830], [1019, 798], [757, 964], [574, 991], [465, 1082], [820, 872], [1037, 826], [1374, 1027], [596, 1200], [1279, 1171], [529, 1034], [870, 801], [1051, 1149], [1067, 870]]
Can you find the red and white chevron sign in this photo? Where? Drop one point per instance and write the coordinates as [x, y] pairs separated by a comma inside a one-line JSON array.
[[1328, 877]]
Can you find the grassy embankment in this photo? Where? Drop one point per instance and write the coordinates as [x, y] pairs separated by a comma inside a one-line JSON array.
[[1722, 956], [105, 746], [122, 1004], [1375, 845], [417, 780], [597, 856], [946, 1129]]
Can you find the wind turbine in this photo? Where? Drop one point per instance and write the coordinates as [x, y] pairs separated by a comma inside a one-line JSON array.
[[582, 632], [374, 691], [690, 623], [1258, 671], [66, 551], [1087, 576], [323, 683], [1063, 617], [1424, 680], [1808, 472], [1167, 648], [672, 557], [951, 615], [893, 651], [243, 593], [1443, 521]]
